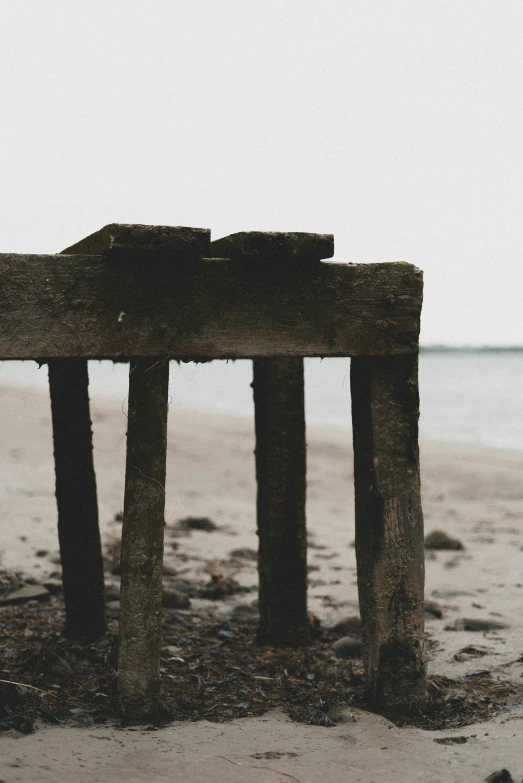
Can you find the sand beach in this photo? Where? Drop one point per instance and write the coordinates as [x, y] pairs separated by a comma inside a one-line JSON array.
[[473, 494]]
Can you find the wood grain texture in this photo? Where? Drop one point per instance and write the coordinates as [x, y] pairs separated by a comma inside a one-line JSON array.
[[97, 307], [280, 475], [142, 541], [389, 530]]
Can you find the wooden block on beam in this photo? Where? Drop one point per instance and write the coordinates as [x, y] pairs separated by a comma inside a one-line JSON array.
[[181, 242], [274, 246]]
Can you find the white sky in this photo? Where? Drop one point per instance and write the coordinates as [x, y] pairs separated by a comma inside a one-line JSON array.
[[397, 126]]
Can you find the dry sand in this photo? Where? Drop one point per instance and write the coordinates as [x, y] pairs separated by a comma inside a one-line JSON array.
[[473, 494]]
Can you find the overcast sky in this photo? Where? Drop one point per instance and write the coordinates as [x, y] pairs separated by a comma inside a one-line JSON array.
[[397, 126]]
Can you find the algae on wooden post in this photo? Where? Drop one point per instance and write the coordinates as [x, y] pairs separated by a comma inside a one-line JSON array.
[[142, 541], [389, 529], [280, 473], [78, 531]]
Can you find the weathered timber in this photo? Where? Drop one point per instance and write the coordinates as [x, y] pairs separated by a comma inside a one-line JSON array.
[[178, 242], [274, 247], [142, 541], [78, 531], [80, 547], [94, 307], [389, 529], [280, 474]]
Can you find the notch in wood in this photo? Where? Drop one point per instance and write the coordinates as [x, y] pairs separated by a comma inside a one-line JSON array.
[[180, 242], [274, 246]]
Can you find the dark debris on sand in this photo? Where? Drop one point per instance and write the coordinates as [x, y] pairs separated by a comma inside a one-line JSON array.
[[211, 669]]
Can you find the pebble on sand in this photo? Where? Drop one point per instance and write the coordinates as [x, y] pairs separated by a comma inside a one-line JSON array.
[[347, 626], [471, 624], [173, 599], [347, 647], [501, 776], [438, 539], [24, 594], [198, 523]]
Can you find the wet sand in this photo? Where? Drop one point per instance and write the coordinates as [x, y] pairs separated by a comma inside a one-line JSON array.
[[473, 494]]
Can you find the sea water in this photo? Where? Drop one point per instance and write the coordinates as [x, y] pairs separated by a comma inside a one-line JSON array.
[[466, 397]]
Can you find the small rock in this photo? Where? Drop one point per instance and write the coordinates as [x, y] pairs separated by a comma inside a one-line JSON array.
[[245, 612], [470, 652], [53, 585], [244, 553], [433, 609], [58, 666], [112, 592], [56, 559], [183, 587], [471, 624], [172, 649], [348, 647], [220, 586], [12, 734], [451, 740], [354, 715], [438, 539], [347, 626], [41, 553], [320, 718], [198, 523], [501, 776], [450, 593], [168, 570], [223, 633], [26, 593], [172, 599]]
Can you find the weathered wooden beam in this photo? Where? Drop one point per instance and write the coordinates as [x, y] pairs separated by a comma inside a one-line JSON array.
[[389, 529], [97, 307], [78, 531], [274, 247], [177, 242], [142, 541], [280, 474]]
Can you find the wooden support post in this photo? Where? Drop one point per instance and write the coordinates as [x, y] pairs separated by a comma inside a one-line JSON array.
[[142, 541], [78, 532], [389, 529], [280, 473]]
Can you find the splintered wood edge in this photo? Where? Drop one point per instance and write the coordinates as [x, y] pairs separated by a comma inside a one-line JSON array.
[[182, 241], [274, 246]]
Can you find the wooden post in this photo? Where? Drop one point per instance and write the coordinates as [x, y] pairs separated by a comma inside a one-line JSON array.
[[280, 473], [78, 532], [389, 529], [142, 541]]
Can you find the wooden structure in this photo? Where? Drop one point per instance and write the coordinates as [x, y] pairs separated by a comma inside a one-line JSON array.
[[147, 294]]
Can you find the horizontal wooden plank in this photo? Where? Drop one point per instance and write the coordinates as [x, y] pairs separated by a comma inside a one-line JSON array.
[[95, 307], [274, 247], [180, 242]]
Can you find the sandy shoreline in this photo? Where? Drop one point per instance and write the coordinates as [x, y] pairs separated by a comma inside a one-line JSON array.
[[474, 494]]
